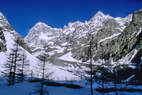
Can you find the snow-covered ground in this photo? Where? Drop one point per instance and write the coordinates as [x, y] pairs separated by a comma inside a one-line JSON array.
[[27, 88]]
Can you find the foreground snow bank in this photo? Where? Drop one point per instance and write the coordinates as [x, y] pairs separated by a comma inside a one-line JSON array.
[[27, 88]]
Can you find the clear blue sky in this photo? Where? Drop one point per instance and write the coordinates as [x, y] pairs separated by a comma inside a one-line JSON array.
[[23, 14]]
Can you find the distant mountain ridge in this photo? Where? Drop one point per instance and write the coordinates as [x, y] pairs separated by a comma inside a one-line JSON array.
[[75, 33]]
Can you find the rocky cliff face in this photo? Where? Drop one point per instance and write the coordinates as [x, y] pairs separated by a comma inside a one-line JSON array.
[[112, 42], [130, 36], [2, 41], [126, 41], [4, 26]]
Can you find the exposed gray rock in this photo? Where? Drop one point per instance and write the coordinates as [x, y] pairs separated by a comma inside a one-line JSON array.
[[111, 42], [121, 45]]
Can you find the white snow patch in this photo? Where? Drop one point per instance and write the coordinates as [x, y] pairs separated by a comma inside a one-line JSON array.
[[134, 54], [128, 58], [114, 35], [9, 39], [127, 80], [2, 61], [68, 57], [46, 36], [139, 32], [60, 73]]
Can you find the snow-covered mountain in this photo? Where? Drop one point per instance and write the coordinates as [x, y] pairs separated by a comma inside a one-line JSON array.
[[41, 33], [75, 34], [117, 40]]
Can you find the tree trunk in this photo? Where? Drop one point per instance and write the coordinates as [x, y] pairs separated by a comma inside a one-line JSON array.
[[91, 67]]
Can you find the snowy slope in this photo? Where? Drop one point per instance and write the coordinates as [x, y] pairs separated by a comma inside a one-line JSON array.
[[57, 72], [10, 36]]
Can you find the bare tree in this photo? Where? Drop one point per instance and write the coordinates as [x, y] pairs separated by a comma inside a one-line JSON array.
[[90, 56], [43, 59], [23, 68], [115, 80], [8, 73], [42, 66], [13, 60]]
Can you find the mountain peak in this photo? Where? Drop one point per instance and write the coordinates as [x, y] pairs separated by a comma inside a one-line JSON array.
[[39, 24], [1, 14], [99, 16], [99, 13]]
